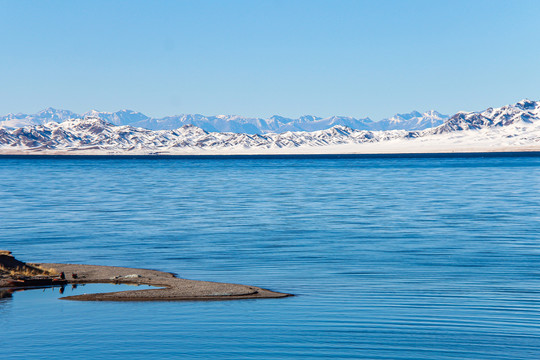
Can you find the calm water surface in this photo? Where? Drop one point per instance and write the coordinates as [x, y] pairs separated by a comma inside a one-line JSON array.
[[391, 258]]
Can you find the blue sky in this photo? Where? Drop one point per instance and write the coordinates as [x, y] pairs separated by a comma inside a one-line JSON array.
[[259, 58]]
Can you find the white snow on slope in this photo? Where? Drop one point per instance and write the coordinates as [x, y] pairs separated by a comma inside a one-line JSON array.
[[509, 128]]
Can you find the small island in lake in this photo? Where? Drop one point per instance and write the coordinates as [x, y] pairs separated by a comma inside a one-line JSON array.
[[15, 274]]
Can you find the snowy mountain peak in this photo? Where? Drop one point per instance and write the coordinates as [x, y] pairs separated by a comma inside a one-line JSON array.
[[279, 118], [523, 112], [413, 121], [122, 117], [83, 123], [49, 110], [306, 118], [434, 114], [94, 112], [527, 104], [408, 116]]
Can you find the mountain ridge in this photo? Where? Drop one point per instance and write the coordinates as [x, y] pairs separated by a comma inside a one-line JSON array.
[[231, 123], [512, 126]]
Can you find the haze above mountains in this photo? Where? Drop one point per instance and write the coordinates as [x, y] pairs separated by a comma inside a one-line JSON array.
[[231, 123]]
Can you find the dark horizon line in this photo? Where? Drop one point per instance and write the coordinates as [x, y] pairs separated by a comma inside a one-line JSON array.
[[276, 156]]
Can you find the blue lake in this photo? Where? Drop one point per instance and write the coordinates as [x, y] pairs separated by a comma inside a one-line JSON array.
[[430, 257]]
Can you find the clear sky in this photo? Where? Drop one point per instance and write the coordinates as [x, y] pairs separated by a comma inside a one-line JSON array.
[[259, 58]]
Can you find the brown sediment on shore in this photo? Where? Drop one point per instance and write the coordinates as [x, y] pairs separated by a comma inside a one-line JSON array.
[[170, 288]]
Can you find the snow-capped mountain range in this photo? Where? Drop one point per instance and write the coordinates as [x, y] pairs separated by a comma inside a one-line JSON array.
[[508, 128], [230, 123]]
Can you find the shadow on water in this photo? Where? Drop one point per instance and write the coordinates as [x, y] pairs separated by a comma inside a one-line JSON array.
[[6, 294]]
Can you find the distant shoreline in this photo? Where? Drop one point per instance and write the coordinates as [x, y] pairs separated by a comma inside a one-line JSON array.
[[457, 154]]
